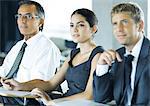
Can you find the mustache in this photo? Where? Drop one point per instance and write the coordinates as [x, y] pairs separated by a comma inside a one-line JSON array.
[[23, 26]]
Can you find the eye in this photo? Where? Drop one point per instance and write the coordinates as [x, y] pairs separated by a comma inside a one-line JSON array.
[[17, 16], [82, 25], [114, 23], [71, 25], [28, 16], [125, 21]]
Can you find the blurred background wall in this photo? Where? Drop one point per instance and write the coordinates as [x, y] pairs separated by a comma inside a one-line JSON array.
[[9, 33]]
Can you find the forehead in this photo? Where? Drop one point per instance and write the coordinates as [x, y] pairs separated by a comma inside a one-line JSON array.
[[77, 17], [23, 9], [121, 16]]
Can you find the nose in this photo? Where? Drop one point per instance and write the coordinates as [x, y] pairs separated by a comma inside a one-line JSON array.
[[120, 27], [75, 29], [22, 19]]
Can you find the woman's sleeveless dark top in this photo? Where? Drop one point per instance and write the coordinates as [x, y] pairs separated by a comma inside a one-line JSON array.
[[77, 76]]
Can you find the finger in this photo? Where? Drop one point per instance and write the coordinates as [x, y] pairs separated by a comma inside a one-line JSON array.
[[36, 93], [2, 80], [103, 59], [112, 53], [7, 86], [6, 81], [107, 60], [115, 55], [108, 57], [35, 90], [51, 103], [118, 57]]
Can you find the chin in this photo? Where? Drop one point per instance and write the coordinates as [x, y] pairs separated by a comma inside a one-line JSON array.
[[23, 33], [75, 41], [122, 43]]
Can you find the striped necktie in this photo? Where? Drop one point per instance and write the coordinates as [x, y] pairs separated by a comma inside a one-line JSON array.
[[14, 69]]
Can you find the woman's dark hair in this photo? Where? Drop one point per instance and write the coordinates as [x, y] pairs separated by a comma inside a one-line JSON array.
[[89, 16]]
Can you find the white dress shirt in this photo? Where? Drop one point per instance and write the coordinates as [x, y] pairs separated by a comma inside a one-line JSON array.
[[40, 60], [103, 69]]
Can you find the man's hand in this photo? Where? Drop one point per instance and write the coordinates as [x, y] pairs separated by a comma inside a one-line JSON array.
[[108, 57], [10, 84], [5, 85]]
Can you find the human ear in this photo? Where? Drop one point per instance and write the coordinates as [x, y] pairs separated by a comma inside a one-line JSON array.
[[41, 23], [94, 29], [140, 26]]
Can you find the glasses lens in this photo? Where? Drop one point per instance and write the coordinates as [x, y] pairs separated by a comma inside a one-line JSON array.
[[26, 16], [17, 16]]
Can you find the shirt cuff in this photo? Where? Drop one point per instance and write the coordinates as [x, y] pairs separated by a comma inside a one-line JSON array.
[[101, 69]]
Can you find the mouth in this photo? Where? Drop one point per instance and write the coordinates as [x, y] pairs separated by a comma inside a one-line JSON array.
[[23, 26], [75, 35], [121, 35]]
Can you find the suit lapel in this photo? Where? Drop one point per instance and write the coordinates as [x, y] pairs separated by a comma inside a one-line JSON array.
[[121, 81], [120, 74], [142, 59]]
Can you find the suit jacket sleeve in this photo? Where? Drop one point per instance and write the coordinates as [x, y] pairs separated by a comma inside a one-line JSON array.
[[102, 88]]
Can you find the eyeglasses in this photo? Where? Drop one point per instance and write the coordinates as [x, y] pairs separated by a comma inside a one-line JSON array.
[[26, 16]]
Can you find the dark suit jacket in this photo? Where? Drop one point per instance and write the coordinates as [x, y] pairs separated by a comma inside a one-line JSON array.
[[111, 85]]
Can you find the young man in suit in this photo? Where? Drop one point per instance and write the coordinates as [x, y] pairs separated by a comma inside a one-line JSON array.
[[110, 78]]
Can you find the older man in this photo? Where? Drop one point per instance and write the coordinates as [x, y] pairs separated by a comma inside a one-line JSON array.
[[34, 57]]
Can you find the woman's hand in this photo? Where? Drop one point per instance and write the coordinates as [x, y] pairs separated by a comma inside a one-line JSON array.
[[42, 96]]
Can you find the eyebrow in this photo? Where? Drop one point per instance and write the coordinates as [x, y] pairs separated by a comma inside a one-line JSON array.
[[25, 14], [78, 22]]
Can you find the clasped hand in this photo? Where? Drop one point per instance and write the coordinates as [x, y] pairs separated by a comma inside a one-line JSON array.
[[10, 84], [108, 57]]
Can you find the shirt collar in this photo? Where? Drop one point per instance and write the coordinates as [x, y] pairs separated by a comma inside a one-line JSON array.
[[33, 39], [136, 49]]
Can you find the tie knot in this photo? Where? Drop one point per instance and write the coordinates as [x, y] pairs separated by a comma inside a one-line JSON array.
[[129, 58], [24, 45]]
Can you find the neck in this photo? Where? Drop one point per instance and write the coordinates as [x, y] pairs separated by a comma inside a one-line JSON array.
[[28, 36], [131, 46], [86, 47]]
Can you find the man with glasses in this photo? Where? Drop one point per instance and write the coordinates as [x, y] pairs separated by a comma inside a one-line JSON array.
[[39, 58]]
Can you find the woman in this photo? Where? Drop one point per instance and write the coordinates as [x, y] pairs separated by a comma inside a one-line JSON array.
[[78, 69]]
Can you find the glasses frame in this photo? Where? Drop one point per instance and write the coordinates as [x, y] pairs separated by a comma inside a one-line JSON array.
[[27, 16]]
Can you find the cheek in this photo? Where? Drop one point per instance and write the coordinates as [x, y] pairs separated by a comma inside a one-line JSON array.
[[71, 30], [18, 23], [131, 30], [114, 29], [86, 31], [34, 25]]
